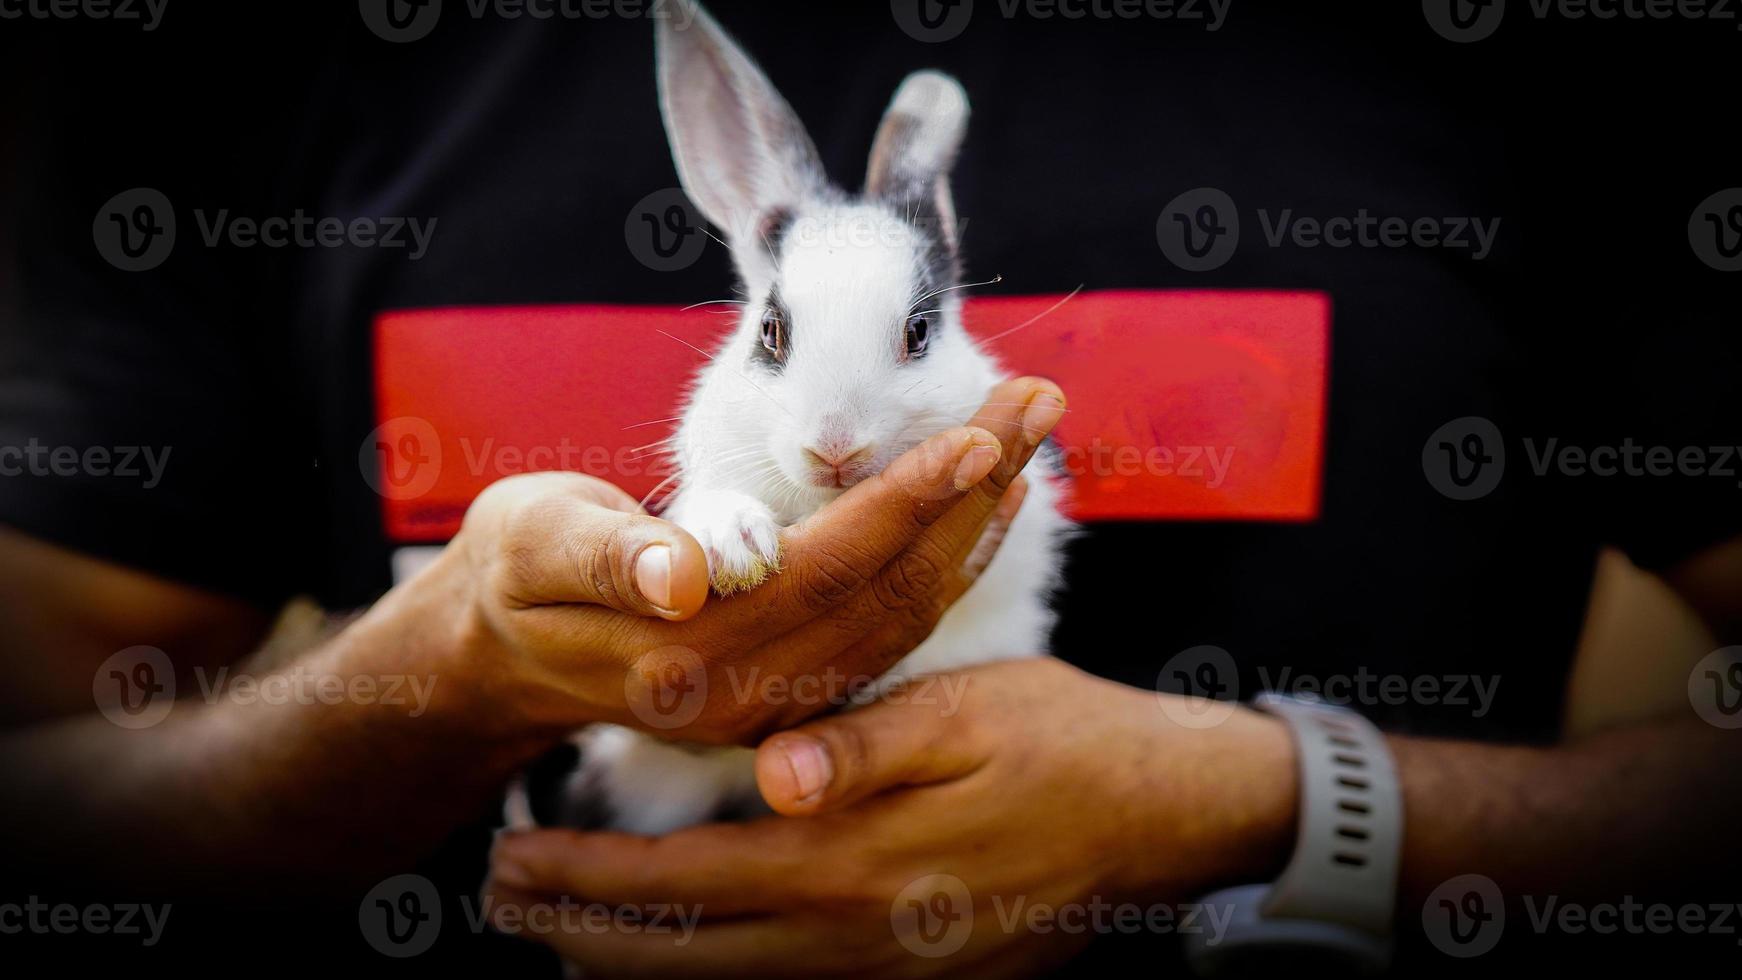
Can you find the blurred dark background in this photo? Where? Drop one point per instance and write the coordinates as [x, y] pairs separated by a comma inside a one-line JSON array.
[[1592, 321]]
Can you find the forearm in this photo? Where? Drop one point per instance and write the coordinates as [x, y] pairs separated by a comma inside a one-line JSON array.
[[370, 760], [1627, 811]]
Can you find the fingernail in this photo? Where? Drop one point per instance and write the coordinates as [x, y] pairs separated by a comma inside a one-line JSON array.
[[653, 575], [1043, 412], [811, 768], [976, 464]]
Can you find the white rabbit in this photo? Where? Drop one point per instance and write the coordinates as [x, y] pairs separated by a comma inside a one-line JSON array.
[[850, 351]]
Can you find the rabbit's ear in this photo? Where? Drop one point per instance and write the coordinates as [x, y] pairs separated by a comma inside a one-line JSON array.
[[916, 146], [741, 152]]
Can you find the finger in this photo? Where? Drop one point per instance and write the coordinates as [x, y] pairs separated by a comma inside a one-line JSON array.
[[833, 554], [992, 532], [907, 590], [732, 869], [1021, 414], [896, 626], [830, 764], [559, 543]]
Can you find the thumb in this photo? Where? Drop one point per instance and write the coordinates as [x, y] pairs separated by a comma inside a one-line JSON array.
[[557, 541], [832, 763]]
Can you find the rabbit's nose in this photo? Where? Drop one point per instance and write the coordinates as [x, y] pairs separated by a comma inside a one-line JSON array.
[[832, 465], [834, 456]]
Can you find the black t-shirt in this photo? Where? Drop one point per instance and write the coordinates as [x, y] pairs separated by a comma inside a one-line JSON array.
[[1590, 320]]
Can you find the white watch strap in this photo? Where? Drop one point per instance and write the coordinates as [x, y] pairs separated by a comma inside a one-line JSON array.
[[1344, 868], [1334, 903]]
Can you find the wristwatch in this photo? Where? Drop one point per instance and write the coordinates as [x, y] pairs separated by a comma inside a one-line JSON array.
[[1333, 904]]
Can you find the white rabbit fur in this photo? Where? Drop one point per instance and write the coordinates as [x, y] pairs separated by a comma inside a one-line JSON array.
[[846, 273]]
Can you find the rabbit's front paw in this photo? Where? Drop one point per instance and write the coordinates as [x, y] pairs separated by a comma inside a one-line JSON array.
[[738, 533]]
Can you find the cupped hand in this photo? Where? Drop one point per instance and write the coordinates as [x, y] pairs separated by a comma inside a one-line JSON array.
[[568, 605]]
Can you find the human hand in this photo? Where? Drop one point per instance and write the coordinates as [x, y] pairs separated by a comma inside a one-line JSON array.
[[563, 604], [1047, 789]]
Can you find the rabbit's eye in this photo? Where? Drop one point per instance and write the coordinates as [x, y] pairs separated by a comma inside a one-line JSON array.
[[918, 335], [774, 335]]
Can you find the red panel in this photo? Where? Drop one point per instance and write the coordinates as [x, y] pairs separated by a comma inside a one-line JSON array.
[[1183, 405]]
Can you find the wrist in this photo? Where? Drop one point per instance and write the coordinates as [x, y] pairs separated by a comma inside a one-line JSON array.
[[1261, 795], [1224, 808], [436, 627]]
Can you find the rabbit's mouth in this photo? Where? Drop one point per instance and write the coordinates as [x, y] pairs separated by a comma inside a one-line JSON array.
[[838, 471]]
